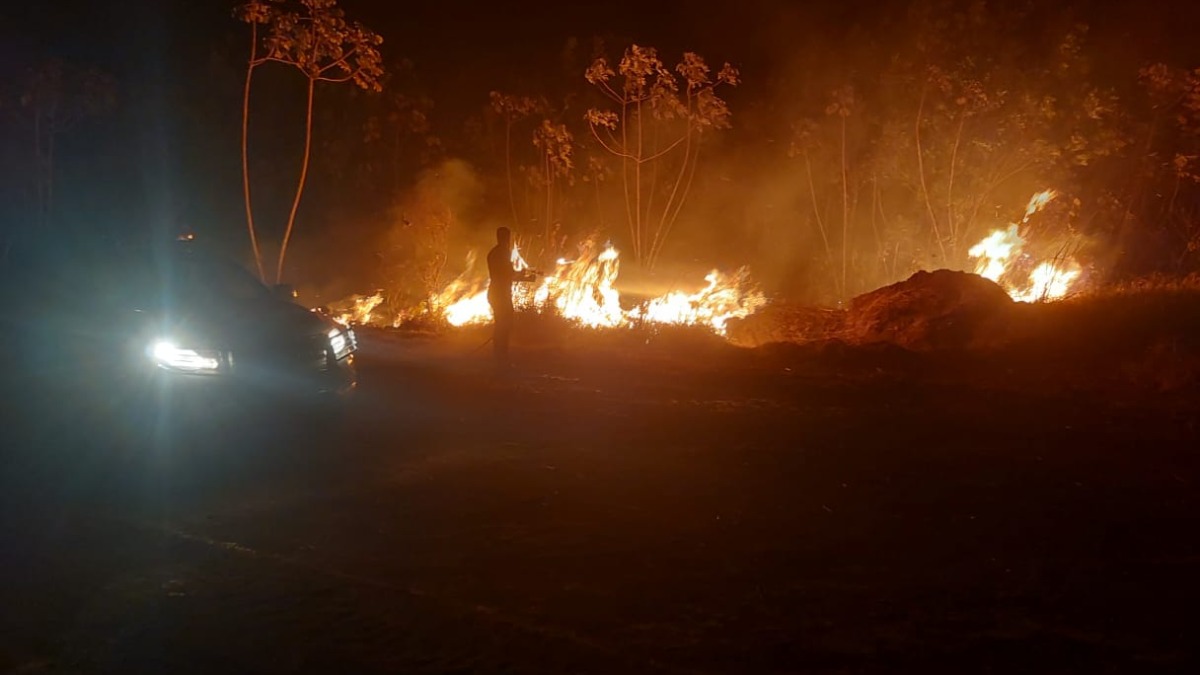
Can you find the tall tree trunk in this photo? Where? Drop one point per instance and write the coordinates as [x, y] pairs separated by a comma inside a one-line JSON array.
[[812, 191], [637, 184], [951, 221], [549, 203], [625, 177], [262, 275], [874, 212], [512, 202], [845, 208], [653, 177], [287, 235], [1135, 194], [666, 220], [921, 171], [687, 187]]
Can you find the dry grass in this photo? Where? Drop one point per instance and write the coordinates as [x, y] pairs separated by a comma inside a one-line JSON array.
[[1141, 337], [552, 333], [1145, 335], [1158, 283]]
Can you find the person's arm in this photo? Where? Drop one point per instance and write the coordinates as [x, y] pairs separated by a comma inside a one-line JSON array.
[[525, 275]]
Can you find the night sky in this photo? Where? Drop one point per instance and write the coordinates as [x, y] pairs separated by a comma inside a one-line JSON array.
[[167, 156]]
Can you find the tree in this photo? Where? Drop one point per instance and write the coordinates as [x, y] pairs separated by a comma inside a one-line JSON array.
[[418, 242], [1163, 194], [841, 105], [256, 13], [596, 173], [316, 39], [654, 122], [804, 143], [512, 109], [399, 138], [54, 97], [948, 129], [554, 143]]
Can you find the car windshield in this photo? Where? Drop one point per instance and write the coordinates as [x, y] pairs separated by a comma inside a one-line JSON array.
[[220, 279]]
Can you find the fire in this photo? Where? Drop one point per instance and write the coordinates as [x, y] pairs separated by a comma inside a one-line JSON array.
[[995, 251], [581, 290], [1050, 281], [360, 310], [1000, 252], [462, 301], [713, 305], [584, 291], [1038, 202]]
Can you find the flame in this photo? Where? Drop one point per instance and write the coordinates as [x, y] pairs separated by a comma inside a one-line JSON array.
[[1038, 202], [995, 251], [1049, 282], [360, 309], [999, 252], [584, 291], [715, 304]]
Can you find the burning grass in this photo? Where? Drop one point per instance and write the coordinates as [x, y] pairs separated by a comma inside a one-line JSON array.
[[1145, 333], [1002, 257], [1132, 341], [582, 290]]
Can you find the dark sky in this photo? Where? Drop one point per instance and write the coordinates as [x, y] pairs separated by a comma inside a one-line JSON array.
[[463, 49], [454, 45], [159, 51]]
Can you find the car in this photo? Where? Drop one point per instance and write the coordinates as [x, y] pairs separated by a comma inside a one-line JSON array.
[[178, 319]]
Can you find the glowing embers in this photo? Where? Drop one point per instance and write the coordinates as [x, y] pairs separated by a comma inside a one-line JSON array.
[[1000, 257]]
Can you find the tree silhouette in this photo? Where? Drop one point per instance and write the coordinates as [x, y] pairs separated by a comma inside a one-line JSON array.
[[649, 105], [316, 40], [554, 142], [512, 109], [51, 100]]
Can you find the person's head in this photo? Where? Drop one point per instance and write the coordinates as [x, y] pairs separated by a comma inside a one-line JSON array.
[[503, 237]]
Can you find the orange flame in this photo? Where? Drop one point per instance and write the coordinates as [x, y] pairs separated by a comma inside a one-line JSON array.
[[584, 292], [361, 309], [1000, 250]]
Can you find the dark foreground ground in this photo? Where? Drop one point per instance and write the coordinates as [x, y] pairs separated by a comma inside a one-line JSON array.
[[602, 511]]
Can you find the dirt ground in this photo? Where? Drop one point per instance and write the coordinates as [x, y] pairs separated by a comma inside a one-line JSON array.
[[678, 509]]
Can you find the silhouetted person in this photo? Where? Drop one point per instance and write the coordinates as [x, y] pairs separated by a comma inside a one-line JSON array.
[[502, 276]]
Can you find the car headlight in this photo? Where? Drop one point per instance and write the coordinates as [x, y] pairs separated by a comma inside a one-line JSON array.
[[343, 342], [167, 354]]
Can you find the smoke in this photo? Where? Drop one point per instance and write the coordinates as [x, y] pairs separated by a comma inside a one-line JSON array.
[[433, 228], [418, 241], [822, 186]]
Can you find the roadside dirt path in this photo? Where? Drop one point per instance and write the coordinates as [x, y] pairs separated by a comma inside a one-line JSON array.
[[615, 511]]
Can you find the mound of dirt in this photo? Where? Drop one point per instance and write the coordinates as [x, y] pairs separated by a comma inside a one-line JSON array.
[[928, 311]]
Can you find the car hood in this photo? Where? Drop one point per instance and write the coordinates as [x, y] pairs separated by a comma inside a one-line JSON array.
[[242, 325]]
